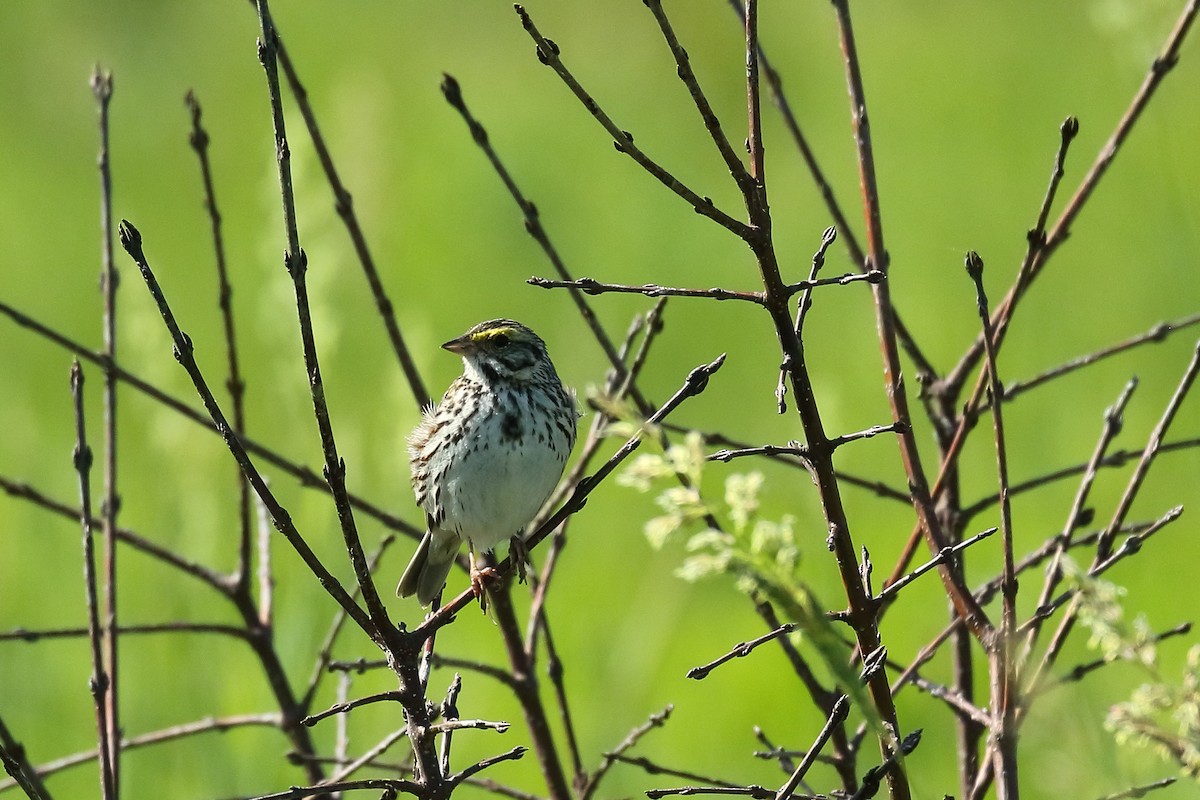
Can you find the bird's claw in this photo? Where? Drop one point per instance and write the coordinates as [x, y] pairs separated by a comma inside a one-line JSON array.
[[479, 579]]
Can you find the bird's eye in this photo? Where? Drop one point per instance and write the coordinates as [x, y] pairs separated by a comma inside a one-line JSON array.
[[501, 340]]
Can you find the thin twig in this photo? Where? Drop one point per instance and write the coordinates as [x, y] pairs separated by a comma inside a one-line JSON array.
[[837, 716], [1160, 67], [512, 755], [234, 381], [33, 636], [548, 54], [1080, 671], [344, 205], [805, 302], [843, 758], [26, 492], [389, 785], [1004, 685], [947, 390], [533, 226], [1154, 335], [296, 263], [449, 713], [102, 88], [1113, 422], [12, 755], [381, 747], [325, 654], [99, 683], [741, 650], [1104, 545], [210, 724], [131, 240], [342, 708], [593, 287], [555, 670], [1140, 791], [626, 744], [756, 792], [305, 475], [944, 556], [1117, 458]]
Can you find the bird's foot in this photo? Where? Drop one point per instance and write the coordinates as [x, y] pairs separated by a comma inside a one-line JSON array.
[[479, 579], [519, 554]]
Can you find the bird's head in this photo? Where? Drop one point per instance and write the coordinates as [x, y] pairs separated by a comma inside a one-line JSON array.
[[501, 350]]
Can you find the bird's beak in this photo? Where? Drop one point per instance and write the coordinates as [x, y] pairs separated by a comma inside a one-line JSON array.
[[460, 345]]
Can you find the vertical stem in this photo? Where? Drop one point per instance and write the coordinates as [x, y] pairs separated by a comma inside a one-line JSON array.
[[99, 682], [297, 265], [234, 382], [102, 87], [1003, 665], [877, 258]]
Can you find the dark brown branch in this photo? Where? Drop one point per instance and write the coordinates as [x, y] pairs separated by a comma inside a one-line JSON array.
[[102, 88], [296, 263], [1113, 422], [342, 708], [741, 650], [626, 744], [22, 773], [925, 370], [131, 240], [1158, 333], [533, 226], [1153, 446], [944, 556], [897, 395], [1140, 791], [99, 681], [234, 381], [683, 68], [837, 716], [344, 205], [218, 724], [593, 287], [548, 54]]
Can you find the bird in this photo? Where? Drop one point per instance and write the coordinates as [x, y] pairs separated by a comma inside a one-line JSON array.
[[486, 457]]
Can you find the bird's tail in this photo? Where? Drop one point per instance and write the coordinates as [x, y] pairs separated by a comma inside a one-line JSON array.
[[426, 573]]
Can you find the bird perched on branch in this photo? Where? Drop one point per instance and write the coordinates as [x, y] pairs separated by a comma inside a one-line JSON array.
[[485, 459]]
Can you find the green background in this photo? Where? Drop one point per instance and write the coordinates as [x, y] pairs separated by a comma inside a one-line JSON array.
[[965, 102]]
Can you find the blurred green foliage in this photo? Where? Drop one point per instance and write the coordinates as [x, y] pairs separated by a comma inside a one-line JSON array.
[[965, 104]]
